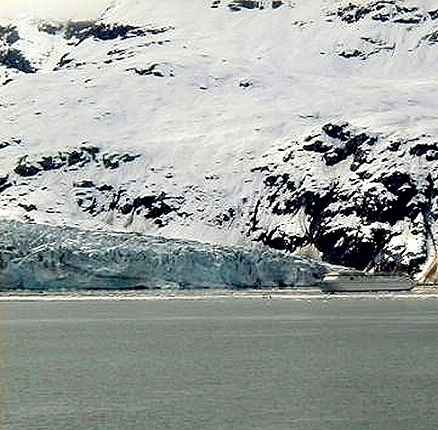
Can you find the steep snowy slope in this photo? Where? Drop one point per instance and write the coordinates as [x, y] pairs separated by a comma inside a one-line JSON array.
[[301, 125]]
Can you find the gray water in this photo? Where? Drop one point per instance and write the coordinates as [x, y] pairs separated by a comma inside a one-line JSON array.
[[219, 364]]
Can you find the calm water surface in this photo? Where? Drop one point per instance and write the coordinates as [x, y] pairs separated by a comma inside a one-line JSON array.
[[219, 364]]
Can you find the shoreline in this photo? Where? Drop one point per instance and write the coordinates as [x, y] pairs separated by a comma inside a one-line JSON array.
[[198, 295]]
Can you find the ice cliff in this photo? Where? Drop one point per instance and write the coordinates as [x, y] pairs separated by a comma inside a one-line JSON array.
[[42, 257], [288, 124]]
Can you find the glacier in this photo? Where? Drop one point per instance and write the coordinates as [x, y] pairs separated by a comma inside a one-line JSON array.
[[39, 257]]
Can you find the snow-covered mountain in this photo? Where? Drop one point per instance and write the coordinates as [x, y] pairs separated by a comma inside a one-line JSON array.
[[309, 126]]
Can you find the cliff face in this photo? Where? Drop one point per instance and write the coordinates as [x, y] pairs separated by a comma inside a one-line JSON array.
[[297, 125]]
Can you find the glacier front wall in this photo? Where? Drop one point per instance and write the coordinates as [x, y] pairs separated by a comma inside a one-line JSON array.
[[46, 258]]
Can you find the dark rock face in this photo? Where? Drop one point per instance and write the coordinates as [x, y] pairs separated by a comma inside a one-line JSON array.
[[82, 30], [27, 208], [4, 183], [51, 28], [428, 149], [225, 218], [75, 32], [353, 53], [152, 206], [9, 34], [14, 59], [431, 38], [246, 83], [104, 199], [10, 57], [155, 69], [369, 214], [382, 10], [74, 158], [113, 161], [338, 142], [63, 61], [245, 4], [238, 5], [369, 48], [433, 14]]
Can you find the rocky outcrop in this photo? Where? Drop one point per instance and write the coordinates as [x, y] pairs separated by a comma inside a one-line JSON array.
[[74, 158], [238, 5], [78, 31], [104, 200], [355, 209], [155, 69], [9, 34], [14, 59], [11, 57], [394, 11]]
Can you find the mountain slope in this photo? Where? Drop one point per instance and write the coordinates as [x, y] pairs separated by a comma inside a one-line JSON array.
[[299, 125]]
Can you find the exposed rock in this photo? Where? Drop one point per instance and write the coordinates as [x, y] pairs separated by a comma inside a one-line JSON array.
[[433, 14], [360, 220], [63, 61], [382, 10], [368, 48], [225, 217], [9, 34], [246, 83], [75, 157], [4, 144], [26, 169], [338, 142], [155, 69], [27, 208], [82, 30], [14, 59], [238, 5], [431, 38], [4, 183], [113, 161], [84, 184], [104, 199]]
